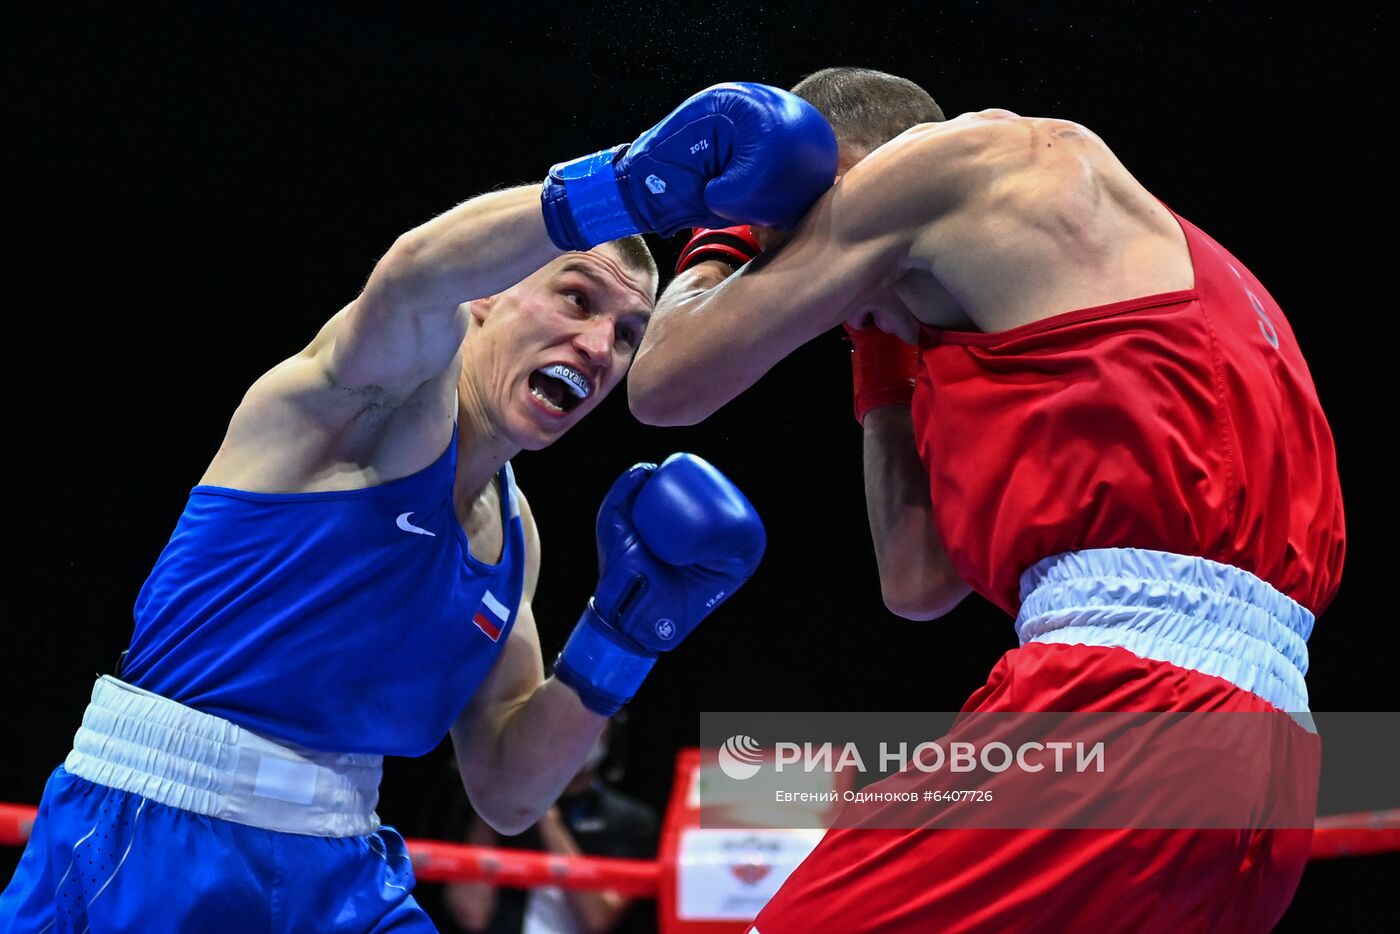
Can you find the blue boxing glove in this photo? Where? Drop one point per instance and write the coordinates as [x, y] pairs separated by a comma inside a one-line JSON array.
[[737, 153], [674, 542]]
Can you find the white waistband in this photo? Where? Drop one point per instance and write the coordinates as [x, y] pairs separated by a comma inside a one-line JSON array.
[[1191, 612], [150, 746]]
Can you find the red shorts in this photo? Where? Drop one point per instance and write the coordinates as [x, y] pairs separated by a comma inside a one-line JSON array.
[[1055, 879]]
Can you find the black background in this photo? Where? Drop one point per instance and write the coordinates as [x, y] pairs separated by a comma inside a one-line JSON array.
[[195, 190]]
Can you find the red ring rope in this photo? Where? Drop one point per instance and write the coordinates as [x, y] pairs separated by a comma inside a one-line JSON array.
[[436, 861]]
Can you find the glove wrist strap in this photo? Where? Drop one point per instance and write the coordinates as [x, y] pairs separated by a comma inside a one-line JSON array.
[[603, 671], [733, 246], [583, 203], [884, 370]]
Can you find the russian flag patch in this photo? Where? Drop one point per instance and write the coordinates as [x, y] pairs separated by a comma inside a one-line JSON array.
[[491, 617]]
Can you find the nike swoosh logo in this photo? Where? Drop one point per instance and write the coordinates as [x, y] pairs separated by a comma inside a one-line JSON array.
[[403, 523]]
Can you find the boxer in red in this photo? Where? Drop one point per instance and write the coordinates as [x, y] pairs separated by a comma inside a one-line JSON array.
[[1077, 404]]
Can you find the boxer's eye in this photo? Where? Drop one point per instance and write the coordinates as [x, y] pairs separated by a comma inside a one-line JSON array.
[[578, 298]]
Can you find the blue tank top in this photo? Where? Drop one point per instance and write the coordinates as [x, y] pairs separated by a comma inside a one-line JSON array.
[[353, 621]]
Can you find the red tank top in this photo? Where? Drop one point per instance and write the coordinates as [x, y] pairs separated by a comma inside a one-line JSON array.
[[1183, 422]]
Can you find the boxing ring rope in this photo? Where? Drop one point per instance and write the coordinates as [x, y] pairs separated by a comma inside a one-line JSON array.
[[1361, 834], [1337, 836], [437, 861]]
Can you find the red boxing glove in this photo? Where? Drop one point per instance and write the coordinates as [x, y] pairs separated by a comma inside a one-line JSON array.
[[884, 369], [732, 245]]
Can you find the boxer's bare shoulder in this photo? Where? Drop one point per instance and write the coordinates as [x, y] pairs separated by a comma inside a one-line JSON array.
[[976, 165], [1036, 216], [301, 428], [993, 157]]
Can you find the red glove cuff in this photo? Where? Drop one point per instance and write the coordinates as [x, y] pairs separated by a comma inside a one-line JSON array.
[[883, 367], [732, 245]]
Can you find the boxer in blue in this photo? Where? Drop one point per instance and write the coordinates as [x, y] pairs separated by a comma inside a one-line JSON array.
[[352, 576]]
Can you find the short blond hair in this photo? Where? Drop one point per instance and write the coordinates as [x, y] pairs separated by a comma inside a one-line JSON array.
[[637, 254]]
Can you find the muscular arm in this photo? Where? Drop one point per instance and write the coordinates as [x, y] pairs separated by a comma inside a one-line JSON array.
[[301, 424], [405, 327], [708, 341], [522, 737], [917, 580], [715, 334]]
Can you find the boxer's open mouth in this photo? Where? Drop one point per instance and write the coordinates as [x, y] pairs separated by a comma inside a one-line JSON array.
[[560, 386]]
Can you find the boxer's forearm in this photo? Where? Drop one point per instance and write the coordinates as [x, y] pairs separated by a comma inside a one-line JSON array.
[[711, 337], [709, 342], [667, 384], [917, 579], [478, 248], [535, 750]]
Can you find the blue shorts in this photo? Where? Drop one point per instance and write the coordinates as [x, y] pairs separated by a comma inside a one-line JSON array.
[[101, 858]]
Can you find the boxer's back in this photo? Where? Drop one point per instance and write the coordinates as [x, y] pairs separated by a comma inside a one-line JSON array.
[[1118, 380], [1048, 221], [1182, 421]]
